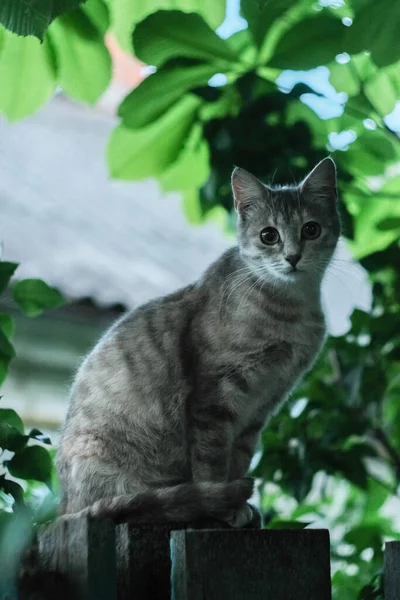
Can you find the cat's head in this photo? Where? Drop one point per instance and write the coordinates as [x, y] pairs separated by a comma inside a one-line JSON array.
[[290, 232]]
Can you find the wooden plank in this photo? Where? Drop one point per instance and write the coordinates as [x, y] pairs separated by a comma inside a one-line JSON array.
[[82, 553], [143, 562], [143, 558], [250, 565], [392, 570]]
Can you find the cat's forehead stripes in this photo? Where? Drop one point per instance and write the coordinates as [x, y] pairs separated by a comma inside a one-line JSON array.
[[285, 203]]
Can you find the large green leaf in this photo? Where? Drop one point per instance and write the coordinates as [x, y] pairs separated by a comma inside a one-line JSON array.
[[7, 270], [311, 42], [6, 324], [33, 462], [7, 352], [11, 439], [372, 209], [10, 417], [32, 17], [261, 15], [27, 75], [376, 28], [349, 77], [97, 12], [389, 223], [191, 169], [126, 13], [369, 154], [158, 92], [170, 34], [34, 296], [84, 64], [383, 89], [26, 17], [137, 154], [15, 490]]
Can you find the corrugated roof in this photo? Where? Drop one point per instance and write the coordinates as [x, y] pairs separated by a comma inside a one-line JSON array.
[[65, 221]]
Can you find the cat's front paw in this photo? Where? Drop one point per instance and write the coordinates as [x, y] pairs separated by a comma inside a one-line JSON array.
[[240, 517]]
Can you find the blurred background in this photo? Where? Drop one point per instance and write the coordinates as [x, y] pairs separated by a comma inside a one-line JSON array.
[[118, 134]]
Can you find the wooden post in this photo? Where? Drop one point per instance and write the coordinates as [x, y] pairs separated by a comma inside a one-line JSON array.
[[143, 562], [81, 552], [392, 571], [250, 565], [143, 559]]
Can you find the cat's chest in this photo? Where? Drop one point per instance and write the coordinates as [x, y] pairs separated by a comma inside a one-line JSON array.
[[271, 356]]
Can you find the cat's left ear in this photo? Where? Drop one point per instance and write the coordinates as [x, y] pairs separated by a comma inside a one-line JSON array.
[[321, 181], [246, 188]]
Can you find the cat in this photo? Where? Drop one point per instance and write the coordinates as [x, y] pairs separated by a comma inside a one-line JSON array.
[[167, 409]]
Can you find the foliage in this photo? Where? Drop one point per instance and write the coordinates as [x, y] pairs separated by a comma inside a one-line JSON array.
[[32, 17], [28, 486], [332, 456]]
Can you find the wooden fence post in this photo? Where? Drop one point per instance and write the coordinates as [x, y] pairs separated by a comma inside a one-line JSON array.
[[392, 571], [82, 554], [250, 565], [144, 561]]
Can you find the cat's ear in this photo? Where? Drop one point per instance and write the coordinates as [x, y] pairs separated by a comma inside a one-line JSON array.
[[246, 188], [321, 181]]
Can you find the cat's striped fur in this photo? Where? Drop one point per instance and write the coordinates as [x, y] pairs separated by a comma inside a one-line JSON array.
[[167, 409]]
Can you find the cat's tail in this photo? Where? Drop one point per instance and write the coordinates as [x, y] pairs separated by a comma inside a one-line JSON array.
[[180, 503]]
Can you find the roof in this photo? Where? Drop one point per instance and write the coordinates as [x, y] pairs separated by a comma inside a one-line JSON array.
[[66, 222]]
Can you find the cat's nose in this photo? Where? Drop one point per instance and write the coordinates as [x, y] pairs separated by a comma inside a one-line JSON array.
[[293, 259]]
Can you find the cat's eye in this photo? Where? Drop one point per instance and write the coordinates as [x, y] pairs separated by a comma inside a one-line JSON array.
[[270, 236], [311, 231]]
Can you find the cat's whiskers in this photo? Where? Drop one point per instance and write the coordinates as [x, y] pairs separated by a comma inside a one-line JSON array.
[[234, 285], [332, 272], [247, 293]]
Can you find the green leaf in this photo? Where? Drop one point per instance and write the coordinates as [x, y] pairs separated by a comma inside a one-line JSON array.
[[27, 73], [26, 17], [158, 92], [11, 487], [191, 206], [32, 17], [33, 462], [191, 169], [97, 12], [389, 223], [364, 536], [11, 439], [261, 15], [7, 270], [34, 296], [371, 210], [36, 434], [137, 154], [10, 417], [7, 352], [6, 324], [375, 28], [371, 150], [125, 13], [169, 34], [349, 77], [383, 89], [311, 42], [84, 64]]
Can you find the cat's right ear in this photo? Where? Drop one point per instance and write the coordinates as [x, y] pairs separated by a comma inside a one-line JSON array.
[[246, 188]]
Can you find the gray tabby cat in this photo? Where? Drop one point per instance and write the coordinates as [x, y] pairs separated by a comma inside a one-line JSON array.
[[167, 409]]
